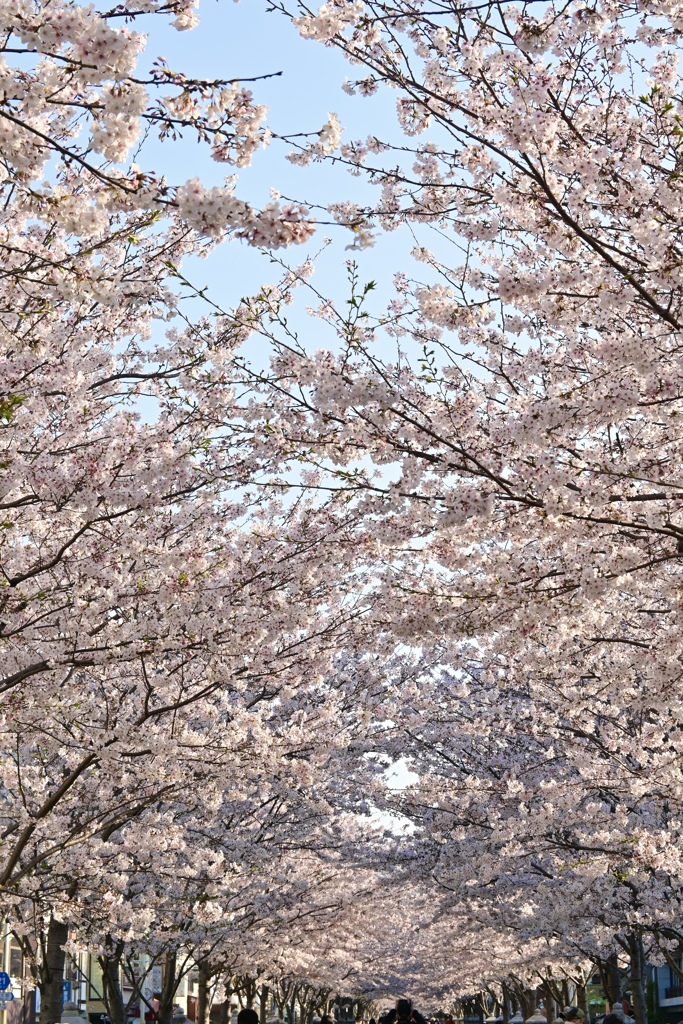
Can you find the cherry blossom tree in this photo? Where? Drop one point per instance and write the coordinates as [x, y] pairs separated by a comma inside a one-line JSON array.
[[162, 625], [509, 430], [235, 593]]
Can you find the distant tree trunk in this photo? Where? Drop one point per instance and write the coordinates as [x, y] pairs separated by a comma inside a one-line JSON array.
[[53, 973], [527, 1001], [549, 1002], [613, 985], [203, 993], [111, 985], [506, 1005], [638, 978], [566, 1001], [250, 989], [582, 1000], [263, 1004], [168, 989], [225, 1006]]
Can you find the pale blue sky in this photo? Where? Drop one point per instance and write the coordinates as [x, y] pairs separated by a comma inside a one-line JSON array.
[[242, 39]]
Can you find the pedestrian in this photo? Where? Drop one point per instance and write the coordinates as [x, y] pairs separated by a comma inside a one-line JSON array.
[[573, 1014], [403, 1013], [618, 1010], [247, 1016]]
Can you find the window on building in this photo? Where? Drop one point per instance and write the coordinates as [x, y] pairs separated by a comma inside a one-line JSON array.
[[95, 980], [133, 972], [16, 960], [71, 971]]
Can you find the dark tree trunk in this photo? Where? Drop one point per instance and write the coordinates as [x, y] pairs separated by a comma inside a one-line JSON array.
[[638, 978], [203, 993], [111, 985], [564, 995], [168, 989], [249, 990], [506, 1005], [263, 1004], [225, 1007], [549, 1001], [53, 973], [582, 1001], [527, 1001], [613, 984]]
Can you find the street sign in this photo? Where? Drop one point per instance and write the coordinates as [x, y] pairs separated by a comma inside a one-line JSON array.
[[6, 996], [5, 980]]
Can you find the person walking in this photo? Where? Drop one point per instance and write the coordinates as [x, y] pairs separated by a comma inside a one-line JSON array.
[[247, 1016], [403, 1013]]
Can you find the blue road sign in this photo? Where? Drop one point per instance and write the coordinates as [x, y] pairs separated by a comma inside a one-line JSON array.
[[5, 980], [6, 996]]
